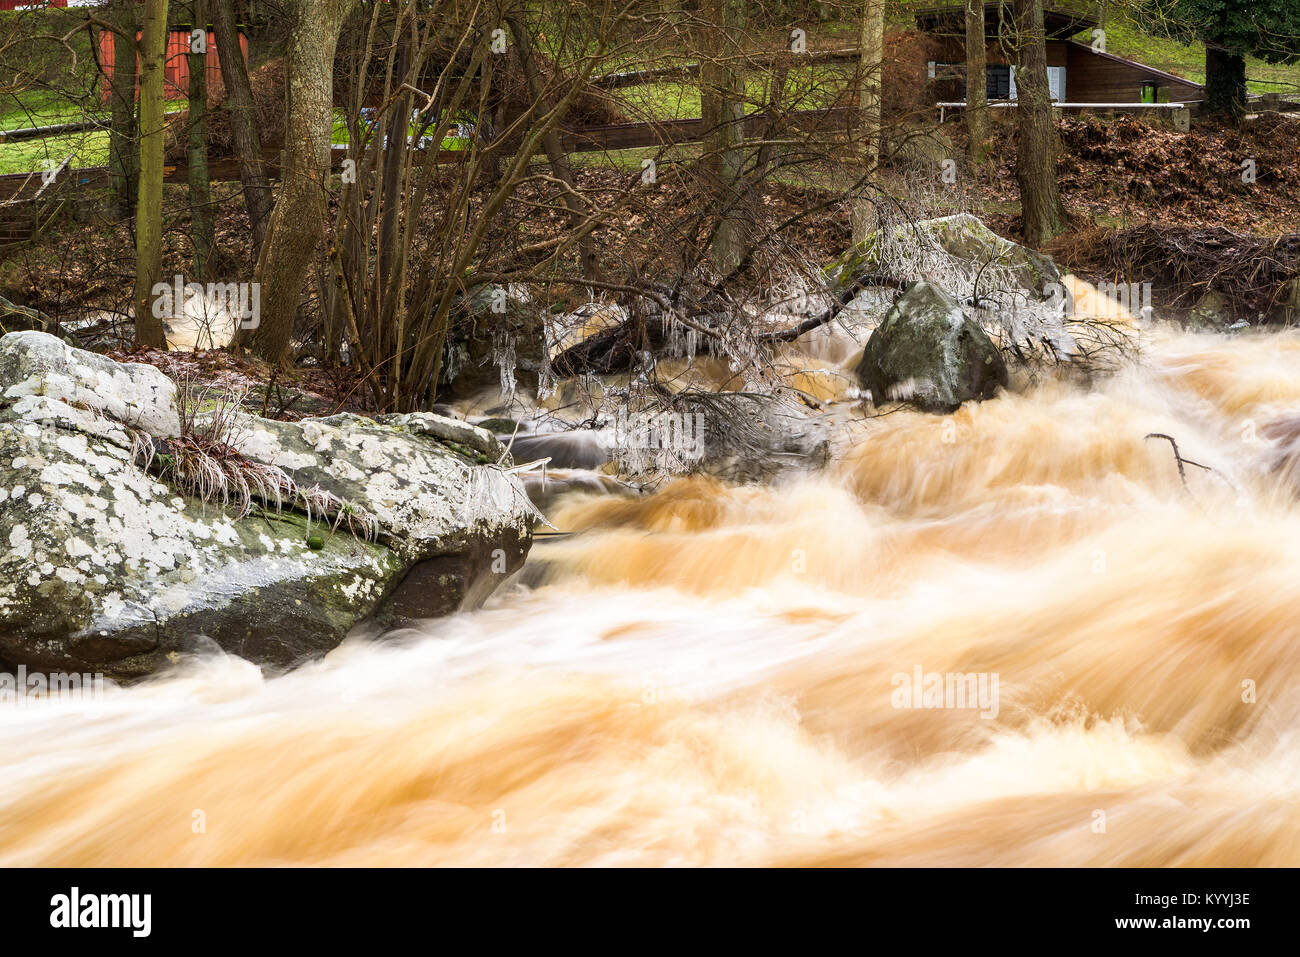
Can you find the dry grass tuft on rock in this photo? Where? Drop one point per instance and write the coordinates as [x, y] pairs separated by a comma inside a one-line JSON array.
[[205, 463]]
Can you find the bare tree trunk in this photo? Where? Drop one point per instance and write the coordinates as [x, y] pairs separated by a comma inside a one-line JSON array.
[[201, 227], [555, 155], [871, 52], [722, 100], [298, 219], [1042, 212], [148, 214], [243, 121], [871, 45], [124, 148], [1225, 83], [977, 113]]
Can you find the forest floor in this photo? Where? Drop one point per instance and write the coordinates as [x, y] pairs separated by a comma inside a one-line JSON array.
[[1124, 171]]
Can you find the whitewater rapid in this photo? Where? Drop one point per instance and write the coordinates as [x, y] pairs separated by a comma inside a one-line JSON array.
[[709, 675]]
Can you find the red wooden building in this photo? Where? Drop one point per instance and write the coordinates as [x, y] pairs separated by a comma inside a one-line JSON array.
[[176, 70], [21, 4]]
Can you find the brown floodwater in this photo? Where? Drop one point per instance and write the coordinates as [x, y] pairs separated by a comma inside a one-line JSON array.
[[724, 675]]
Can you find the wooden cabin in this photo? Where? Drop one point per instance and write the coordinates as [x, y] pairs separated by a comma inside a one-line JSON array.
[[1077, 73], [176, 69]]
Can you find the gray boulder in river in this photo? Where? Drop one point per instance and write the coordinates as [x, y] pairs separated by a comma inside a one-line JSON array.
[[1020, 292], [106, 568], [928, 352]]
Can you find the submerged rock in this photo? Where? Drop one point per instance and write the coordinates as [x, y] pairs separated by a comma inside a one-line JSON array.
[[1211, 313], [498, 426], [104, 568], [928, 352], [578, 449], [547, 487]]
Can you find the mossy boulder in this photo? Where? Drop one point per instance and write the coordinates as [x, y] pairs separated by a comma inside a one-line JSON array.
[[918, 147], [499, 426], [990, 261], [1286, 308], [929, 353]]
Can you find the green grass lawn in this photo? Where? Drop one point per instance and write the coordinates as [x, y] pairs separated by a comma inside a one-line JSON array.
[[25, 156], [33, 108], [815, 86], [341, 137], [1126, 38], [806, 88], [809, 87], [1188, 59]]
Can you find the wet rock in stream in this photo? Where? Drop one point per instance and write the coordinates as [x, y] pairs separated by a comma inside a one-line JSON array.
[[105, 567]]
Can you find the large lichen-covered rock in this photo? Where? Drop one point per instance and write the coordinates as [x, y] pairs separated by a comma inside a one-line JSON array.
[[38, 364], [103, 568], [905, 251], [430, 483], [929, 353], [421, 476], [1017, 294]]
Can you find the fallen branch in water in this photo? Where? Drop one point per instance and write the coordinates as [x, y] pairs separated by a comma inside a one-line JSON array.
[[615, 349], [843, 298], [1182, 473]]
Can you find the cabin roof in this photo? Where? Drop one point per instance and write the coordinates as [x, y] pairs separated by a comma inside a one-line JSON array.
[[1059, 24], [1140, 66]]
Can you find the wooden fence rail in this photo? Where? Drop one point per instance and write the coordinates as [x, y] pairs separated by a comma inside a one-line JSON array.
[[618, 81], [23, 207]]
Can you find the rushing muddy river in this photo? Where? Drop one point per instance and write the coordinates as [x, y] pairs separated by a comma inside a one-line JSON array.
[[1013, 635]]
